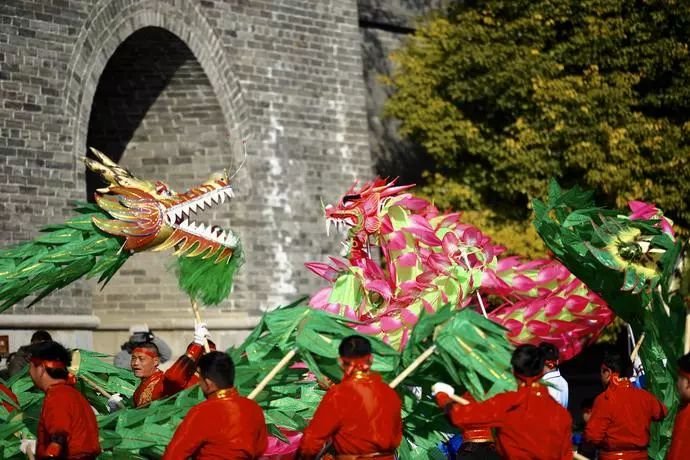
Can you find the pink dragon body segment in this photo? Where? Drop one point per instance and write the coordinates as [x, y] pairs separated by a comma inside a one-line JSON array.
[[429, 258]]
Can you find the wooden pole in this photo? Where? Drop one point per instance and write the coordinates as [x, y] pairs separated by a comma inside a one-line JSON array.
[[636, 350], [74, 370], [277, 368], [577, 456], [414, 365], [197, 316], [459, 400]]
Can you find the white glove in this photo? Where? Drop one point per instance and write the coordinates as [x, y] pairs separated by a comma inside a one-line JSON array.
[[201, 334], [441, 387], [114, 403], [28, 445]]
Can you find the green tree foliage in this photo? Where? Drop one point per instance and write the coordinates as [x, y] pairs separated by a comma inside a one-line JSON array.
[[505, 95]]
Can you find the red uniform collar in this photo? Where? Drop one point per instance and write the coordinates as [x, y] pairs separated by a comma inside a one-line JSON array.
[[616, 381], [226, 393]]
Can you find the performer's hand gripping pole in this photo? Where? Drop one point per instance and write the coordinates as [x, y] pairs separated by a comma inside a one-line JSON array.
[[197, 317]]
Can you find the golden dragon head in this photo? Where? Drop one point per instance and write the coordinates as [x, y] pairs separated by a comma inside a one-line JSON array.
[[151, 216]]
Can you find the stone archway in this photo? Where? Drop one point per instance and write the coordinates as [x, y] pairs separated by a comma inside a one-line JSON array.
[[149, 85]]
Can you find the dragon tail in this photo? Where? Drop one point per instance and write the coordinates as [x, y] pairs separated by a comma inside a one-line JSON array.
[[62, 254]]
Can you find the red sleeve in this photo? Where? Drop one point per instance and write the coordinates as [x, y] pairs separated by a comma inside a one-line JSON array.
[[176, 378], [262, 442], [485, 414], [322, 426], [567, 441], [187, 438], [599, 421], [657, 409], [680, 442], [56, 418]]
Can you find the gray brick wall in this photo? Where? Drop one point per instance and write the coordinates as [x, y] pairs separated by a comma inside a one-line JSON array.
[[170, 88], [287, 75]]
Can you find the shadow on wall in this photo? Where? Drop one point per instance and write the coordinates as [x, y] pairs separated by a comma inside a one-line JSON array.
[[393, 156], [138, 72]]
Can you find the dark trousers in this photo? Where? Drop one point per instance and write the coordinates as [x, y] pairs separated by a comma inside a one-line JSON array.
[[477, 451]]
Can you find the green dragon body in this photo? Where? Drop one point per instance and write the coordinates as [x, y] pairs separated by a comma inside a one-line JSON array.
[[130, 215]]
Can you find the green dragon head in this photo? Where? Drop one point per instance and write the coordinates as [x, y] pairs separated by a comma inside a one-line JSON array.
[[151, 216]]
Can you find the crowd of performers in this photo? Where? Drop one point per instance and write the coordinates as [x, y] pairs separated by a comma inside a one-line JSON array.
[[360, 417]]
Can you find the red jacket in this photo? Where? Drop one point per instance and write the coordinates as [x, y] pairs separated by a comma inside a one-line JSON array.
[[620, 420], [361, 414], [226, 426], [9, 407], [161, 384], [67, 426], [472, 433], [680, 442], [529, 423]]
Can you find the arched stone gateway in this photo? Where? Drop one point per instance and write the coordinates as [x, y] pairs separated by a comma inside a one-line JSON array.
[[156, 113], [285, 75]]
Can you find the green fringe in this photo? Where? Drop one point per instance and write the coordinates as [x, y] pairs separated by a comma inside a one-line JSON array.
[[60, 255], [207, 281]]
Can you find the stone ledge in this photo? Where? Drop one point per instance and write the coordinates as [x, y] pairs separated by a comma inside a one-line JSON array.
[[88, 322], [110, 323]]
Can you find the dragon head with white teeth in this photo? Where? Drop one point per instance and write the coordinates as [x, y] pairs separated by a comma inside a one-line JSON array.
[[151, 216], [361, 211]]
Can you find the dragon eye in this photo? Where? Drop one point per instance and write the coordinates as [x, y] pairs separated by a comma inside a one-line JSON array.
[[162, 189], [347, 198]]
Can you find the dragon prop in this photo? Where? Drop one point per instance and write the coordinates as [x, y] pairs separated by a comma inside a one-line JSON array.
[[130, 215], [466, 342], [430, 259], [633, 263]]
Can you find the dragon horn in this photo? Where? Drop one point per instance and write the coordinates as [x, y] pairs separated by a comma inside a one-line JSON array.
[[244, 150], [107, 173], [103, 157]]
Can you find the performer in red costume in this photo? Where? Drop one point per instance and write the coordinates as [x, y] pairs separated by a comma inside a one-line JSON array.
[[11, 396], [529, 423], [477, 442], [67, 427], [360, 415], [622, 414], [226, 425], [156, 384], [680, 443]]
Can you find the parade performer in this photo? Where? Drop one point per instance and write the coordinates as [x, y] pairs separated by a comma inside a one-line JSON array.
[[67, 426], [518, 416], [622, 414], [680, 442], [156, 384], [556, 384], [10, 396], [226, 425], [361, 415], [477, 442]]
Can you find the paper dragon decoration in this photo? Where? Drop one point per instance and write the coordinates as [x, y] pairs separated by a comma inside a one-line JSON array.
[[430, 259], [432, 265], [130, 215], [634, 263]]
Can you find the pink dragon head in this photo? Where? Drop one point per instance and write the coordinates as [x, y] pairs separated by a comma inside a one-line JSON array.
[[360, 210]]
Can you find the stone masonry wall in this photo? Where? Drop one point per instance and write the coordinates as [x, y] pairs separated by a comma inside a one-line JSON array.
[[287, 76]]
